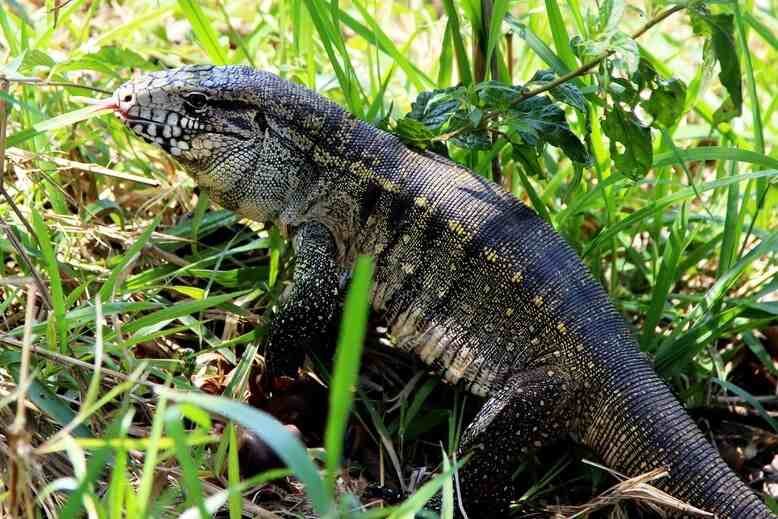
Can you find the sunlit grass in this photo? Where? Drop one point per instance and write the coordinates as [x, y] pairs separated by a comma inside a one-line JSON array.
[[687, 253]]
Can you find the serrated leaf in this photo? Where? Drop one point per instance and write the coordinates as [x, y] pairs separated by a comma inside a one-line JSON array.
[[436, 107], [497, 95], [527, 156], [538, 120], [630, 142], [414, 132], [626, 53], [666, 104], [567, 93], [721, 30], [473, 140], [726, 112], [610, 14]]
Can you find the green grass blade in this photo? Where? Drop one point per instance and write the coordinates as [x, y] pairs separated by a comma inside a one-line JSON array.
[[203, 30], [334, 46], [463, 62], [55, 280], [666, 277], [74, 506], [765, 32], [559, 32], [151, 458], [499, 10], [539, 47], [347, 360], [133, 26], [233, 474], [732, 227], [107, 290], [672, 198], [446, 61], [119, 486], [179, 310], [748, 397], [283, 443], [69, 119], [418, 499], [682, 346], [8, 32], [189, 472], [375, 36]]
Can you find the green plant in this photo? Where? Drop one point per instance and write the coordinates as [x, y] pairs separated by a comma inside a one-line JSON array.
[[648, 139]]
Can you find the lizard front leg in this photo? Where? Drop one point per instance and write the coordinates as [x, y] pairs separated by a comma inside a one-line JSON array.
[[305, 316]]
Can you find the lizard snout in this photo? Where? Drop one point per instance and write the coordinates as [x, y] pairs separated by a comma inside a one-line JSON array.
[[124, 99]]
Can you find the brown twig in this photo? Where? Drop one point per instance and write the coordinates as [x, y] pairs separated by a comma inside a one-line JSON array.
[[596, 61], [19, 500], [43, 82], [583, 69], [639, 488], [71, 362]]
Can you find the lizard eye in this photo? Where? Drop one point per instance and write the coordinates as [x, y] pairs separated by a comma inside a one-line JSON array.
[[196, 100]]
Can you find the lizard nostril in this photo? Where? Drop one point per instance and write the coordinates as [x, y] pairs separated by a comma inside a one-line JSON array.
[[127, 98]]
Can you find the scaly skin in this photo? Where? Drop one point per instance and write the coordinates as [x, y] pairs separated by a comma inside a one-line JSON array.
[[468, 278]]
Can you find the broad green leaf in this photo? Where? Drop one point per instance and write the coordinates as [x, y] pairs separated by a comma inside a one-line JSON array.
[[609, 16], [436, 107], [538, 120], [630, 142], [414, 133], [721, 30], [567, 93], [626, 54], [667, 101]]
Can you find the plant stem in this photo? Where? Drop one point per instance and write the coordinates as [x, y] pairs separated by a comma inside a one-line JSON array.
[[596, 61], [570, 75]]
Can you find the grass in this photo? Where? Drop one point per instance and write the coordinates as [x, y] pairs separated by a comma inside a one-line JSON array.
[[138, 366]]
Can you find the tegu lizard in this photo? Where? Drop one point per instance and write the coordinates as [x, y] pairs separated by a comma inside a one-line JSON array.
[[467, 277]]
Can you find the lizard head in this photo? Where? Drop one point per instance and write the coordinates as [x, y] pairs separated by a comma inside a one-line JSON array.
[[242, 134], [204, 116]]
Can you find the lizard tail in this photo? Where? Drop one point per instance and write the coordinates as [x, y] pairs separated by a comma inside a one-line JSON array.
[[640, 426]]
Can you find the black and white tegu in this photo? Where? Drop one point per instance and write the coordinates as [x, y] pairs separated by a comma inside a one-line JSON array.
[[467, 277]]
